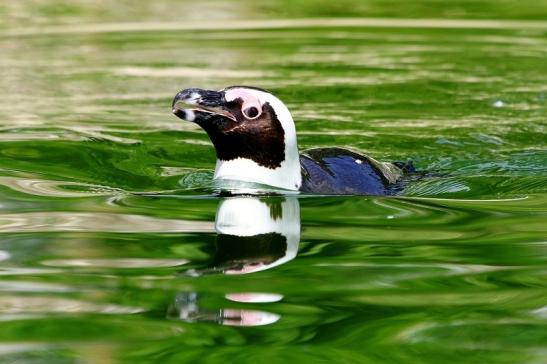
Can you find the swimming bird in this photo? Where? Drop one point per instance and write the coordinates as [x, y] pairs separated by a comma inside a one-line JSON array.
[[254, 136]]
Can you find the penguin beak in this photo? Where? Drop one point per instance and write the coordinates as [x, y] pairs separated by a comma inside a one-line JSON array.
[[197, 105]]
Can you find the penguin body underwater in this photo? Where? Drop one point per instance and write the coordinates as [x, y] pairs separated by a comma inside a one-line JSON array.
[[254, 136]]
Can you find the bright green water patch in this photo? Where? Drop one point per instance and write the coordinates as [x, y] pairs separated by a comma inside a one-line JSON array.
[[110, 251]]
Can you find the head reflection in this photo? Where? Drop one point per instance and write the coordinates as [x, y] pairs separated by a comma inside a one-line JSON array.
[[253, 234]]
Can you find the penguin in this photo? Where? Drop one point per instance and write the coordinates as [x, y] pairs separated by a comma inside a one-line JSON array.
[[254, 136]]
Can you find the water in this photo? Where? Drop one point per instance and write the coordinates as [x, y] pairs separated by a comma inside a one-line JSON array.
[[114, 249]]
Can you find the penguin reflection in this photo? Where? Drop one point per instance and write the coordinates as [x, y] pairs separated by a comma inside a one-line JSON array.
[[253, 234]]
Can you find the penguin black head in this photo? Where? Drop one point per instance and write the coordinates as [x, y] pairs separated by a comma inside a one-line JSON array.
[[252, 131]]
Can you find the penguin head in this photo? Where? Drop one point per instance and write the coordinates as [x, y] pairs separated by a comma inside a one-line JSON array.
[[252, 131]]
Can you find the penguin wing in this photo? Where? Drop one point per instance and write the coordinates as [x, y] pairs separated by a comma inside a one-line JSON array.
[[343, 172]]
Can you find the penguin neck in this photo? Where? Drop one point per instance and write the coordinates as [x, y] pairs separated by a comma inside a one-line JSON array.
[[287, 176]]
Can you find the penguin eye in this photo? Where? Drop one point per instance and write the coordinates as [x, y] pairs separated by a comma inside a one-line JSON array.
[[251, 112]]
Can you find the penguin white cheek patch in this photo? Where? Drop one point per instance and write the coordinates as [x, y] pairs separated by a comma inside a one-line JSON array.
[[251, 107]]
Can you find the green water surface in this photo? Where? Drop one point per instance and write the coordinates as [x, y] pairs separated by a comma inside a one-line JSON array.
[[108, 246]]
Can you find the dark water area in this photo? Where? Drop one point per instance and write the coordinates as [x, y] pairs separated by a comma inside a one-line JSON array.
[[114, 247]]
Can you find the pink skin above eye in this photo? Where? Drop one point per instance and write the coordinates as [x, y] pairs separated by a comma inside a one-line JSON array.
[[249, 101]]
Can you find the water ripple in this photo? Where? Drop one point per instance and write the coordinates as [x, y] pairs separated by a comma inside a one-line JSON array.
[[97, 222], [277, 24], [47, 305], [116, 263], [40, 187]]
